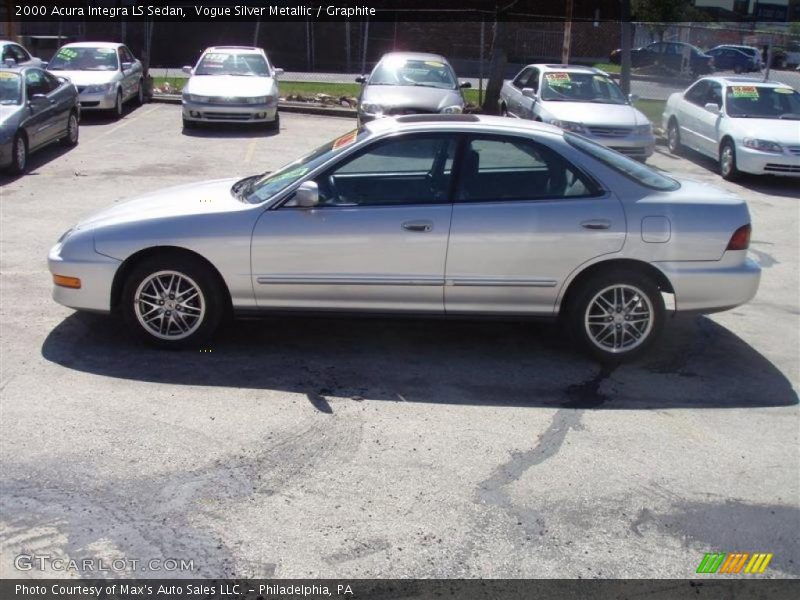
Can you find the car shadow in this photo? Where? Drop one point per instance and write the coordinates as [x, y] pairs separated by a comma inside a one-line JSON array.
[[37, 160], [230, 130], [93, 118], [773, 185], [697, 364]]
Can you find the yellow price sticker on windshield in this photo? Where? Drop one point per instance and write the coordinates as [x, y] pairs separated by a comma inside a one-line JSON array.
[[745, 91], [8, 75], [784, 90], [433, 63], [558, 79]]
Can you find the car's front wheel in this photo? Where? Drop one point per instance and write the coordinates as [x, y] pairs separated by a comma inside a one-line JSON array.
[[674, 137], [19, 155], [172, 302], [616, 315], [118, 109], [727, 161]]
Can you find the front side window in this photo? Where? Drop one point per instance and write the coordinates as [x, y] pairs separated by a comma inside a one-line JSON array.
[[581, 87], [227, 63], [35, 83], [10, 88], [759, 102], [396, 70], [697, 93], [80, 58], [414, 169], [523, 78], [498, 169], [632, 169]]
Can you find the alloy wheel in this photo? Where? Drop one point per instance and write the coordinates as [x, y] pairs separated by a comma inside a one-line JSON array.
[[619, 318], [169, 305]]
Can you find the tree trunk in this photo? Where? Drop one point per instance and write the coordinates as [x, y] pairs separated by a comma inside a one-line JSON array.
[[497, 69]]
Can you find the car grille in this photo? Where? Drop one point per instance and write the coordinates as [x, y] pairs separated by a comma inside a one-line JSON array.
[[226, 100], [629, 151], [227, 116], [405, 111], [777, 168], [600, 131], [794, 150]]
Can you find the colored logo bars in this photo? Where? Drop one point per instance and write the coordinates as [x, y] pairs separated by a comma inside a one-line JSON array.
[[720, 562]]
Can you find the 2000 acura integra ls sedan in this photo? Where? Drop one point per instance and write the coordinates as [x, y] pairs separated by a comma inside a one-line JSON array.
[[431, 214]]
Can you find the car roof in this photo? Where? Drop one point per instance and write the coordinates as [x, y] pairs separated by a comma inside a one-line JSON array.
[[415, 56], [569, 68], [464, 122], [747, 80], [241, 49], [93, 45]]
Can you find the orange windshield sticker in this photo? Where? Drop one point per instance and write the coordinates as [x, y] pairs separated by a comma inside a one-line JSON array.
[[745, 91], [345, 140]]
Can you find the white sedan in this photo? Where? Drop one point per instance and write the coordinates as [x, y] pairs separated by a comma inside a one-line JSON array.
[[748, 125]]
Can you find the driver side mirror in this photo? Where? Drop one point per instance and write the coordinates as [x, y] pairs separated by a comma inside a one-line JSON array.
[[37, 100], [277, 71], [464, 85], [529, 93], [633, 98], [187, 69], [361, 79], [307, 195], [712, 108], [127, 66]]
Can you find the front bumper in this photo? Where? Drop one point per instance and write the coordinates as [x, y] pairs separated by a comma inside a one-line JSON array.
[[225, 113], [712, 286], [767, 163], [98, 101], [635, 146], [95, 271]]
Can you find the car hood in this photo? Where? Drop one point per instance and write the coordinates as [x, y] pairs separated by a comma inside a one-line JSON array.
[[590, 113], [783, 131], [203, 198], [229, 85], [425, 98], [87, 77]]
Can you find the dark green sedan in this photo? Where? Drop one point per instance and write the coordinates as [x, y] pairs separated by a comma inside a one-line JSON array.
[[36, 109]]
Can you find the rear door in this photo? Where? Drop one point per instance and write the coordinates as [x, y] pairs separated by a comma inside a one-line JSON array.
[[377, 241], [523, 219]]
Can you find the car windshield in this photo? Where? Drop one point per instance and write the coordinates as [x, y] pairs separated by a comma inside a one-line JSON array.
[[84, 59], [760, 102], [10, 88], [402, 71], [260, 188], [227, 63], [581, 87], [632, 169]]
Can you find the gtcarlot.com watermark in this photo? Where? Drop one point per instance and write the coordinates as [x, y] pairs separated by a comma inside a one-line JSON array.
[[45, 562]]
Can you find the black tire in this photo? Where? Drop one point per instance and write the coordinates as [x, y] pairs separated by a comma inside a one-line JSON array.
[[503, 110], [588, 325], [73, 131], [201, 314], [674, 137], [140, 93], [727, 161], [119, 107], [737, 69], [275, 125], [19, 155]]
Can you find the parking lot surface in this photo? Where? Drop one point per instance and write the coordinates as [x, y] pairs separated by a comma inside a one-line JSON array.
[[310, 447]]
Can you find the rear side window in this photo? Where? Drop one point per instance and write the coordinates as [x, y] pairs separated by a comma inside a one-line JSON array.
[[500, 169], [622, 164]]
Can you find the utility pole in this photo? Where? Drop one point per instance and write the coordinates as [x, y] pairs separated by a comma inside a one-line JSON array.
[[567, 35], [625, 59]]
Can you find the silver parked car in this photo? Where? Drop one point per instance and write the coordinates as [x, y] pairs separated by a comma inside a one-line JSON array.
[[36, 109], [430, 214], [582, 100], [11, 51], [232, 84], [106, 74], [406, 83]]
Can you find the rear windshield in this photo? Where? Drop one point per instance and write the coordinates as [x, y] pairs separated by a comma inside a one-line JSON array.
[[635, 170]]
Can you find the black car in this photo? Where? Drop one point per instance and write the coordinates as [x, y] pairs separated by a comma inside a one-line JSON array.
[[668, 55], [36, 109], [733, 59]]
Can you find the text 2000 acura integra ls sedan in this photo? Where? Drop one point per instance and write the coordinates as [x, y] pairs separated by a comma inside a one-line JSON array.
[[435, 214]]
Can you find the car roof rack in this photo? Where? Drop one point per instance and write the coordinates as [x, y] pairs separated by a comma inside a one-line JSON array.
[[438, 118]]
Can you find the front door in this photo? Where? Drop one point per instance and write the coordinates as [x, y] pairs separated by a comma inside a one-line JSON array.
[[523, 219], [376, 241]]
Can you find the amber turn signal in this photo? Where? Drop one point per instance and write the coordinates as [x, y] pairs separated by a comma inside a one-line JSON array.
[[68, 282]]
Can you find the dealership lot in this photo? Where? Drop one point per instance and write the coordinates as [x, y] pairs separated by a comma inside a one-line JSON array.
[[309, 447]]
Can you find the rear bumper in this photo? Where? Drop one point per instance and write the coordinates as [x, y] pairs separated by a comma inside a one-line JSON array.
[[712, 286]]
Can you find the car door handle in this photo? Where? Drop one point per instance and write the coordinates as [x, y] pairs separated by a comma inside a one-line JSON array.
[[596, 224], [418, 226]]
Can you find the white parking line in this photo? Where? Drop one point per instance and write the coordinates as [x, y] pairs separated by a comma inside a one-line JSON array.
[[251, 149], [136, 117]]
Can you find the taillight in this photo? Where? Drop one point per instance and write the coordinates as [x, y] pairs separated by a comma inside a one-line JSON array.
[[740, 240]]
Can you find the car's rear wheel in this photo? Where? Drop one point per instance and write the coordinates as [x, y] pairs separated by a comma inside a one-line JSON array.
[[616, 315], [172, 302], [71, 137], [727, 161], [674, 137], [140, 93], [19, 155]]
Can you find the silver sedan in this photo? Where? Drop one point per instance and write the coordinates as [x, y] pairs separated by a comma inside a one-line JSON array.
[[425, 214]]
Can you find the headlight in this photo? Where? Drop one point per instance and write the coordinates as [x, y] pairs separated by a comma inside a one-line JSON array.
[[100, 89], [643, 129], [452, 110], [371, 109], [569, 126], [194, 98], [259, 100], [762, 145]]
